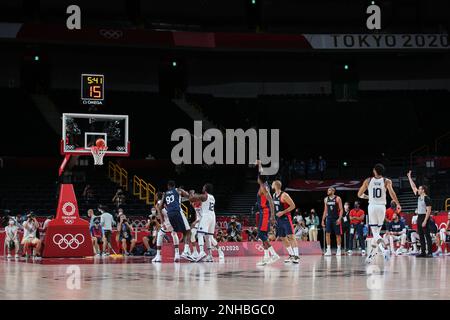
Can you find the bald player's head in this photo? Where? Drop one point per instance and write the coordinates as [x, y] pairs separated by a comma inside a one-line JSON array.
[[276, 185]]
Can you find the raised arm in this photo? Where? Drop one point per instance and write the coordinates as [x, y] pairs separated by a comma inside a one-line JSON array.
[[183, 193], [411, 182], [363, 189], [392, 192]]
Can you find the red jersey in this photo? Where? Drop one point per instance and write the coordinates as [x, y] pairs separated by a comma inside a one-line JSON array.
[[356, 213]]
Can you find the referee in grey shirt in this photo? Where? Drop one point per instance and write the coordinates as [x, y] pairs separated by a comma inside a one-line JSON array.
[[423, 218]]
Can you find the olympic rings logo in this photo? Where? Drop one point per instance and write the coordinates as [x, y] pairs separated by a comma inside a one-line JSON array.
[[111, 34], [68, 240], [259, 247], [68, 221], [139, 223], [66, 206]]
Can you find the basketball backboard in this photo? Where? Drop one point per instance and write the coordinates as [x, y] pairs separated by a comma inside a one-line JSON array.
[[80, 131]]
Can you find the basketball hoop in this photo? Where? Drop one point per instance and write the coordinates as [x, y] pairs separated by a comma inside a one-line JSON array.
[[98, 153]]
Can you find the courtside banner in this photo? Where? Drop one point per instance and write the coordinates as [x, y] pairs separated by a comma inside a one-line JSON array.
[[378, 41], [251, 249]]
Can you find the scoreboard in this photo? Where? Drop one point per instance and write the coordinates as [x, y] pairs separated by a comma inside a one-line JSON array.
[[92, 88]]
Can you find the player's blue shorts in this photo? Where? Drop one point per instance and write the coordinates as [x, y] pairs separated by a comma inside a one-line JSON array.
[[284, 227], [178, 221], [331, 226]]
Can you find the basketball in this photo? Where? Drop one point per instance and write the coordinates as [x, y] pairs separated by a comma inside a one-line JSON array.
[[100, 143]]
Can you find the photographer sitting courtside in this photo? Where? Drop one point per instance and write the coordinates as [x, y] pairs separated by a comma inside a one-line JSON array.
[[30, 239], [126, 235], [149, 241], [234, 230]]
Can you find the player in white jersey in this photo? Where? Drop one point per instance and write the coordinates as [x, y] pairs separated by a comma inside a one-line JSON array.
[[376, 187], [207, 224], [166, 227]]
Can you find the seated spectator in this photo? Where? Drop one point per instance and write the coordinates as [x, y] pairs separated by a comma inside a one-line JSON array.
[[312, 222], [91, 217], [12, 238], [442, 237], [46, 222], [30, 239], [126, 235], [119, 198], [234, 230], [390, 212], [396, 232], [149, 241], [97, 235], [301, 231], [414, 235], [252, 234], [221, 236]]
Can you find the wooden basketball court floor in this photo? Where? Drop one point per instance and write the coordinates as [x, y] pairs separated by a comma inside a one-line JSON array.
[[316, 277]]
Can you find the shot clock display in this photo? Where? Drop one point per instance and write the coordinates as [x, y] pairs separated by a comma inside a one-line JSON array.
[[92, 88]]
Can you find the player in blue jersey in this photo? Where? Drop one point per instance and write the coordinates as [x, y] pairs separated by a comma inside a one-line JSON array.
[[171, 200]]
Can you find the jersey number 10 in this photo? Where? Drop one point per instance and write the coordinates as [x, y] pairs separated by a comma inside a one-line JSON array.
[[376, 192]]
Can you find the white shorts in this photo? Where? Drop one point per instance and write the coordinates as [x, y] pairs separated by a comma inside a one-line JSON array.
[[207, 224], [166, 226], [399, 238], [377, 214]]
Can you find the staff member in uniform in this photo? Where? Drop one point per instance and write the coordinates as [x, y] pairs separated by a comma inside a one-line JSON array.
[[357, 216], [424, 212]]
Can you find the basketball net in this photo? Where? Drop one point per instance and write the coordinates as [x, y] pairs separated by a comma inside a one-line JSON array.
[[98, 153]]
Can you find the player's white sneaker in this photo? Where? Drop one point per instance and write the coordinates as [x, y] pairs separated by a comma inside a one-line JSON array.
[[263, 262], [289, 259], [209, 258], [437, 253], [274, 258], [176, 258], [8, 256], [349, 252], [157, 258], [371, 256], [221, 255], [296, 260], [186, 256], [338, 253], [327, 253], [16, 256], [201, 256], [363, 252]]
